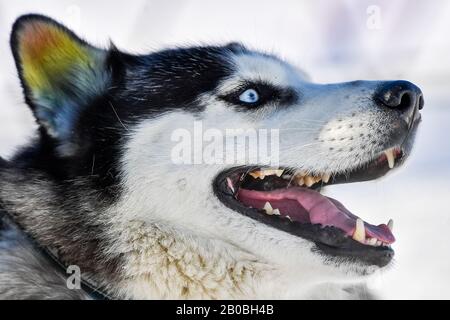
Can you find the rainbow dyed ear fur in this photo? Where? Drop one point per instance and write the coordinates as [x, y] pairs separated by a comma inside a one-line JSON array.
[[60, 73]]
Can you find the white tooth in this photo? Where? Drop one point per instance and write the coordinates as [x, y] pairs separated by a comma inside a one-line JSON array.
[[379, 243], [360, 231], [390, 157], [276, 212], [270, 172], [300, 181], [268, 208], [230, 185], [301, 173], [255, 174], [326, 177], [317, 179], [261, 174], [391, 225], [372, 241], [289, 218], [309, 181], [279, 172]]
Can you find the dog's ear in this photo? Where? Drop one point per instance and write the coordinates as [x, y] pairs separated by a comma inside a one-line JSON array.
[[60, 73]]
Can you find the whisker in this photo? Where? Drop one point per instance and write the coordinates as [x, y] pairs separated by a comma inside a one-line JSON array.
[[312, 120], [93, 165], [114, 110], [299, 129]]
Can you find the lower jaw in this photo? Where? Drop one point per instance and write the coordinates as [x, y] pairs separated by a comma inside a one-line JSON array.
[[330, 242]]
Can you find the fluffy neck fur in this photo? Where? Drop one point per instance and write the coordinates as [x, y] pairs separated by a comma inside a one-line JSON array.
[[163, 263]]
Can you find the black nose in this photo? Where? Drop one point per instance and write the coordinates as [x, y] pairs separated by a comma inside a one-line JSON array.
[[400, 95]]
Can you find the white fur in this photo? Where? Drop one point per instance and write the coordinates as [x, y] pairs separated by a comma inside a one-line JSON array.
[[180, 241]]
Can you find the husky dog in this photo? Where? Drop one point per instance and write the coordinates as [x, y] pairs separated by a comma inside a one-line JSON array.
[[98, 189]]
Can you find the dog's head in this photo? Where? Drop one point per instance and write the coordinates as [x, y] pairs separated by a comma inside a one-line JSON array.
[[219, 142]]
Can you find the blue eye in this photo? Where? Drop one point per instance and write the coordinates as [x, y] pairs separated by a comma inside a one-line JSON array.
[[249, 96]]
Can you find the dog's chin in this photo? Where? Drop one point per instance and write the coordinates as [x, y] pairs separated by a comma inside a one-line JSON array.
[[289, 200]]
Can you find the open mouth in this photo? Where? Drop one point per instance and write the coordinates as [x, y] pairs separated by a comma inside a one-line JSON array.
[[290, 200]]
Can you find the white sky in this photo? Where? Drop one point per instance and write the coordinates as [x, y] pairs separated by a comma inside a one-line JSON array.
[[332, 41]]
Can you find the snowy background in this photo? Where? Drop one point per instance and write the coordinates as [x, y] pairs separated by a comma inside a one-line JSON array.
[[333, 41]]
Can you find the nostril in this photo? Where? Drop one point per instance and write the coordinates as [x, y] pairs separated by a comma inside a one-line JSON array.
[[406, 101], [421, 102], [399, 95]]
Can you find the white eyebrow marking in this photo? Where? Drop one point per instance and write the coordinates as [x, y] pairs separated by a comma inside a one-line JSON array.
[[261, 68]]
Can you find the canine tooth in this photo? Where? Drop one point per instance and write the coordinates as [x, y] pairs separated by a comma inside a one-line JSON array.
[[379, 243], [372, 241], [326, 177], [309, 181], [289, 218], [268, 208], [360, 231], [391, 225], [317, 179], [230, 185], [276, 212], [390, 157]]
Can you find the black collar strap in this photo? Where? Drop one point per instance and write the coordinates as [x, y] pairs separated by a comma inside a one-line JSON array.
[[93, 291]]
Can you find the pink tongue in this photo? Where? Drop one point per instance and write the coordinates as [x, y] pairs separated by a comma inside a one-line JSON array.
[[309, 206]]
